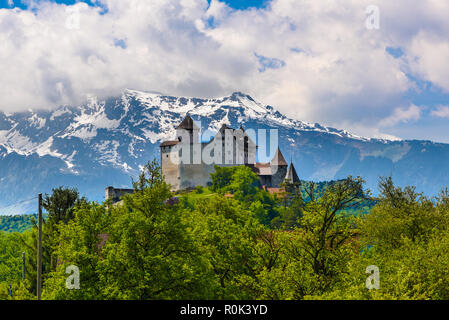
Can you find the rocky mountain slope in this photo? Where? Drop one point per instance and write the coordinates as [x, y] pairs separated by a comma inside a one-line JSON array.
[[104, 143]]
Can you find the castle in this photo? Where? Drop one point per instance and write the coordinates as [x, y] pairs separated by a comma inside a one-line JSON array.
[[188, 162]]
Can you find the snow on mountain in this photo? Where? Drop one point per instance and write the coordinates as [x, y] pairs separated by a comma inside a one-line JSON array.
[[105, 142]]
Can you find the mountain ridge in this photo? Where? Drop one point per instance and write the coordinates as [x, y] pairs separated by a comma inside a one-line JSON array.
[[105, 142]]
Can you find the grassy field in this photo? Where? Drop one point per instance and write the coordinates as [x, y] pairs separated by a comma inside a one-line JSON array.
[[192, 196]]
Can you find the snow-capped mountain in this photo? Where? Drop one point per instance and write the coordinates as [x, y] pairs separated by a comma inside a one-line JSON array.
[[103, 143]]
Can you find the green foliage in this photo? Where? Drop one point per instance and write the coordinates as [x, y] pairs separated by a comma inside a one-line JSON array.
[[243, 184], [316, 252], [61, 203], [11, 249], [199, 189], [403, 213], [80, 242], [150, 175], [221, 177], [240, 181], [149, 254], [10, 257], [227, 235], [313, 242], [189, 199]]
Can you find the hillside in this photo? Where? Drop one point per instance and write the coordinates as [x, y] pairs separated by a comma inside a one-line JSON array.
[[18, 223], [103, 143]]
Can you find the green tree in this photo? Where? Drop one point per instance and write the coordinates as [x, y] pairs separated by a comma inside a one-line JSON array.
[[243, 184], [221, 178], [227, 234], [317, 251], [403, 213], [80, 243], [61, 206], [150, 253], [10, 258], [61, 203]]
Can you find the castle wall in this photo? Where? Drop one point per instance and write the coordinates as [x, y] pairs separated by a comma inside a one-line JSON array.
[[115, 195], [193, 175], [265, 181]]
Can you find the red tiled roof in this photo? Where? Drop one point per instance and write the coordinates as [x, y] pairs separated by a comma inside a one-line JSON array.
[[278, 191], [261, 165]]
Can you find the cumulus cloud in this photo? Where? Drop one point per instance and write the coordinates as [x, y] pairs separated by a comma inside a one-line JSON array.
[[441, 112], [429, 54], [401, 115], [314, 60]]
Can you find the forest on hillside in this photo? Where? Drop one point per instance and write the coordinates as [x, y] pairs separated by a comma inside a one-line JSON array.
[[236, 241], [18, 223]]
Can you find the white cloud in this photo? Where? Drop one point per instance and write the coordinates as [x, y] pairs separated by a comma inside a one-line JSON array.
[[10, 3], [314, 60], [412, 113], [430, 58], [441, 112]]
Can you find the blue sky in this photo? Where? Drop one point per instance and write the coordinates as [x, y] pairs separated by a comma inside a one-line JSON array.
[[314, 61], [23, 4], [245, 4], [236, 4]]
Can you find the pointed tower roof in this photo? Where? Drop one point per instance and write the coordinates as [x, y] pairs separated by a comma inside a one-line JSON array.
[[291, 174], [222, 131], [187, 124], [223, 127], [247, 137], [279, 159]]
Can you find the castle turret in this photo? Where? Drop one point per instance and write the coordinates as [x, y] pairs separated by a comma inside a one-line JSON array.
[[292, 176], [278, 169]]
